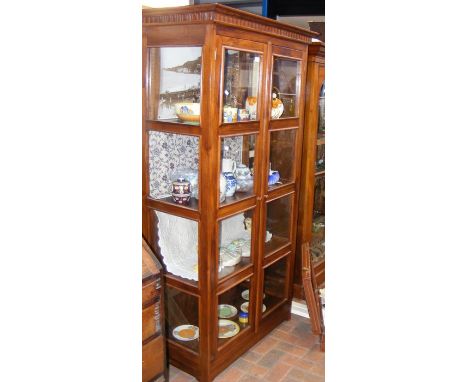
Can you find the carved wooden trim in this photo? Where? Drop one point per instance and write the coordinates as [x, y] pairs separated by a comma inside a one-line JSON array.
[[317, 49], [216, 13]]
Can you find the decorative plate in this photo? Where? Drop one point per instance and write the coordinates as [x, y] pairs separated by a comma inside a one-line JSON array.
[[227, 329], [186, 332], [245, 295], [277, 108], [226, 311], [245, 307]]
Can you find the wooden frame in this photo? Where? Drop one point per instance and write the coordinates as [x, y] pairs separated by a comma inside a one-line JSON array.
[[215, 28]]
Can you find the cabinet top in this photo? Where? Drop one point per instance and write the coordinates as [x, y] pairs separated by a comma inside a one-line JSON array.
[[222, 14]]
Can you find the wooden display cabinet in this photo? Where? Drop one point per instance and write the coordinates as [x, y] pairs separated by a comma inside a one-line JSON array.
[[309, 273], [222, 88]]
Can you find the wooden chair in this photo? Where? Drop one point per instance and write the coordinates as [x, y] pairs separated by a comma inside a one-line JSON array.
[[313, 279]]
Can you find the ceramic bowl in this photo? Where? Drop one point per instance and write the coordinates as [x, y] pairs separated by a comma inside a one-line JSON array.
[[183, 199], [188, 111]]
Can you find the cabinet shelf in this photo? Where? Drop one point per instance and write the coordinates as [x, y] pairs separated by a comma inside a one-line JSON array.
[[234, 273], [167, 205], [175, 281], [321, 172], [276, 244], [173, 127], [237, 197]]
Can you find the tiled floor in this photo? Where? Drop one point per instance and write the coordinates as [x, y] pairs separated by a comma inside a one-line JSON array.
[[290, 353]]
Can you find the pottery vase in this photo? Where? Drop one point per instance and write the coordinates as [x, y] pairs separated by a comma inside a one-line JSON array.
[[181, 186], [231, 183], [222, 188]]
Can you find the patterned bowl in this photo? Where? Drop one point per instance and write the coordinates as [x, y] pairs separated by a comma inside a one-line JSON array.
[[188, 111]]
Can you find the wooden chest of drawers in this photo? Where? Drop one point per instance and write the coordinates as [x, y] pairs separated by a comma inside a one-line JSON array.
[[153, 351]]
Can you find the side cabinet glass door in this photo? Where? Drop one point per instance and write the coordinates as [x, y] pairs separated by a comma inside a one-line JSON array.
[[240, 153], [282, 169]]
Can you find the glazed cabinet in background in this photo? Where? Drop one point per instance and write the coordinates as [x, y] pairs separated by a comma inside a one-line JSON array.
[[309, 275], [223, 97]]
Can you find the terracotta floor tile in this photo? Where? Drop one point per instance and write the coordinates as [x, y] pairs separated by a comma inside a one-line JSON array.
[[289, 348], [231, 374], [249, 378], [307, 342], [284, 336], [242, 364], [258, 371], [317, 368], [301, 375], [278, 371], [314, 355], [182, 377], [265, 345], [271, 358], [251, 356], [302, 329]]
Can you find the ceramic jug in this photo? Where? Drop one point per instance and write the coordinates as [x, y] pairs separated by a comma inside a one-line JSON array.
[[222, 188], [231, 183], [228, 165]]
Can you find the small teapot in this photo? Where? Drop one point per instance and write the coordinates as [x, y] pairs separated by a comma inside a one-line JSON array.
[[242, 172]]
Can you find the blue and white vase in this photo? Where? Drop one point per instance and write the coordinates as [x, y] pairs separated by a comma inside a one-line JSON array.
[[231, 183]]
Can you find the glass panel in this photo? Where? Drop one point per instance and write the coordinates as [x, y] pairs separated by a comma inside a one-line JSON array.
[[237, 168], [178, 242], [321, 126], [235, 234], [285, 88], [233, 311], [320, 159], [278, 224], [241, 81], [319, 196], [317, 247], [173, 168], [275, 284], [182, 318], [282, 157], [174, 84]]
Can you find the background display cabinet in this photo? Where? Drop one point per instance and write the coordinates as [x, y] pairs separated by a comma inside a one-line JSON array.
[[309, 275], [223, 116]]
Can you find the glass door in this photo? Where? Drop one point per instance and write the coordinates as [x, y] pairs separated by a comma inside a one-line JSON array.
[[240, 160], [282, 165]]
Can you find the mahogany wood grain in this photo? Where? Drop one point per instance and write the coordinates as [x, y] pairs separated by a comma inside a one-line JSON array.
[[164, 205], [173, 128], [173, 35], [154, 364], [239, 128], [153, 359], [284, 123]]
